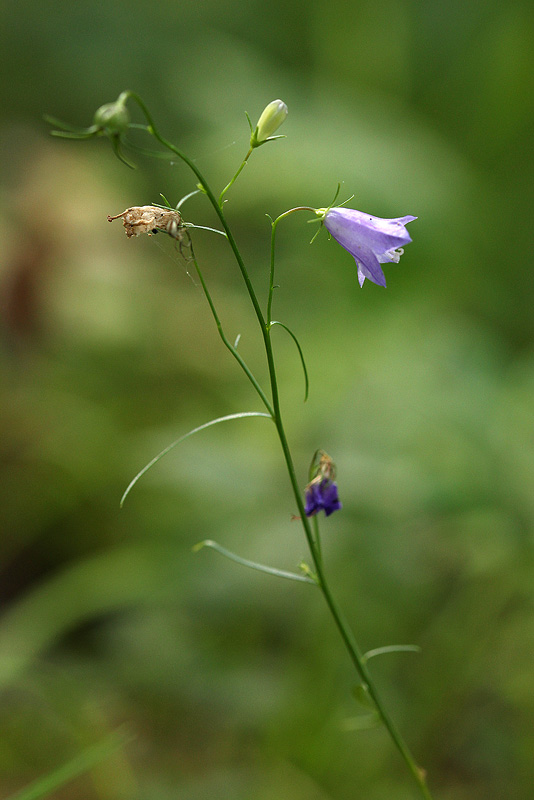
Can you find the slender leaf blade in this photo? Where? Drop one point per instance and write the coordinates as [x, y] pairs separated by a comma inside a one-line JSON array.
[[279, 573], [240, 415], [301, 354]]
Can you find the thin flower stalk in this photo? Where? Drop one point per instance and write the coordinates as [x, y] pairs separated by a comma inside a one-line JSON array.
[[236, 176]]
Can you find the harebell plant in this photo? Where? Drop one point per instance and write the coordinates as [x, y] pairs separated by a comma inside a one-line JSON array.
[[372, 241]]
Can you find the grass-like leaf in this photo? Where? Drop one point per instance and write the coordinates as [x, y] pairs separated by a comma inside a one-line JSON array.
[[391, 648], [66, 127], [169, 447], [116, 147], [301, 354], [279, 573]]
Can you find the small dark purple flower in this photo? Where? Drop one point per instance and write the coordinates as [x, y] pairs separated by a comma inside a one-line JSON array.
[[322, 496], [371, 240], [321, 492]]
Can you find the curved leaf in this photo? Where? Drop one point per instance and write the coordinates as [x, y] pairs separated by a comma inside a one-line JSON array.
[[72, 135], [204, 228], [392, 648], [306, 381], [362, 722], [279, 573], [65, 127], [116, 147], [186, 197], [147, 151], [169, 447]]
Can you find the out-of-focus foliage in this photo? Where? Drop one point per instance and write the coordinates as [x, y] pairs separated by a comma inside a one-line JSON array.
[[233, 684]]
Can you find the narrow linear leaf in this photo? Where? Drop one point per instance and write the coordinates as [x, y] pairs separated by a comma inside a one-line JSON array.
[[362, 722], [66, 126], [169, 447], [116, 147], [306, 381], [204, 228], [147, 151], [362, 696], [43, 787], [279, 573], [392, 648], [71, 135], [186, 197]]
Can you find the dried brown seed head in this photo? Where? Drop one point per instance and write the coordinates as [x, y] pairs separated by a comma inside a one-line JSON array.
[[150, 219]]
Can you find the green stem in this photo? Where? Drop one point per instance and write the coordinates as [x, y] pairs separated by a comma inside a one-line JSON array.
[[273, 236], [314, 546], [339, 619], [226, 342], [229, 185], [317, 535], [218, 210]]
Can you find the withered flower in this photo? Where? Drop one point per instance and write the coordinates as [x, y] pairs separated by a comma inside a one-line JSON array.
[[152, 219]]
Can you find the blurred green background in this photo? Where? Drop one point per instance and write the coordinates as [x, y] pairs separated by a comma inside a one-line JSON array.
[[234, 685]]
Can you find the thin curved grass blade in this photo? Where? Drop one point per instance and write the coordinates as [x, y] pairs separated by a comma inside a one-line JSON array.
[[66, 127], [147, 151], [301, 354], [71, 135], [279, 573], [392, 648], [169, 447], [115, 144]]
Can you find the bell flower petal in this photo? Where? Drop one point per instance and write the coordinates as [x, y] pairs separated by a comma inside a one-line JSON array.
[[322, 496], [370, 240]]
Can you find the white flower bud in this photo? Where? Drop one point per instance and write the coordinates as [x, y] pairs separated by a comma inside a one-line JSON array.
[[271, 118]]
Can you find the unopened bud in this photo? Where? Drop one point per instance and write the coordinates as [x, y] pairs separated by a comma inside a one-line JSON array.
[[271, 118], [113, 118]]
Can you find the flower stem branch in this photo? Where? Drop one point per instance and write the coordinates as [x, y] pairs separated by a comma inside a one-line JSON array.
[[274, 223], [218, 210], [227, 343], [236, 176]]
